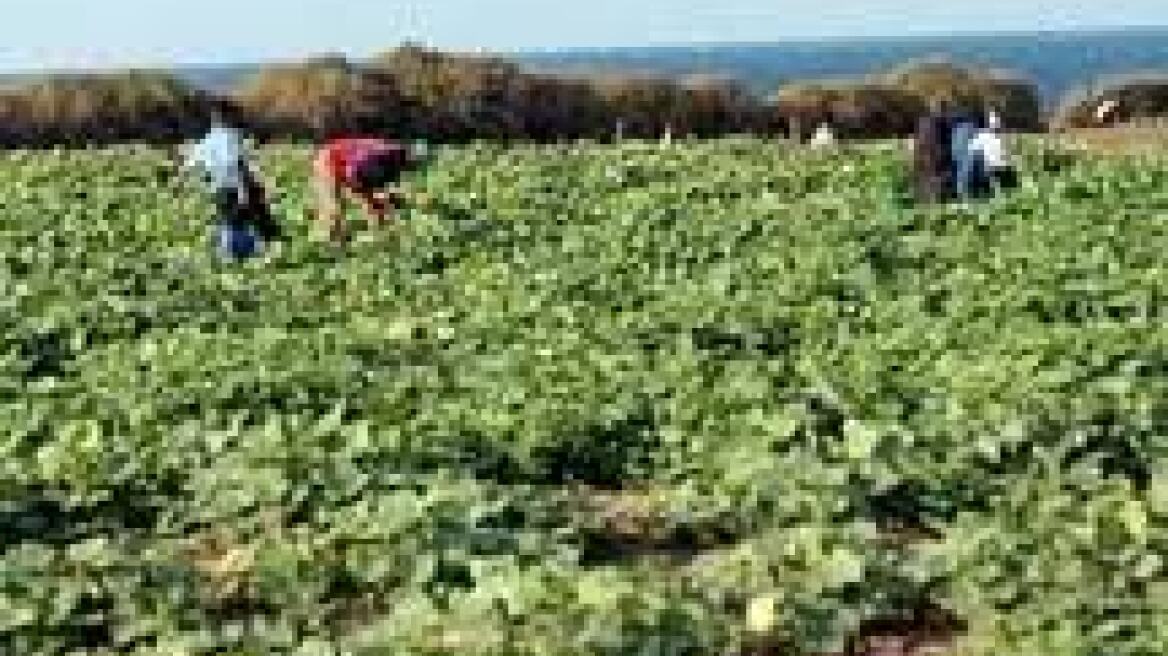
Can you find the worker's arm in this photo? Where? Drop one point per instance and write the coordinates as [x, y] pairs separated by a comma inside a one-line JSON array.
[[242, 187], [375, 204], [328, 193], [183, 161]]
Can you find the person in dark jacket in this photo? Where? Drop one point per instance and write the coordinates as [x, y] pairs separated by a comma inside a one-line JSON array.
[[932, 155], [964, 161], [258, 209]]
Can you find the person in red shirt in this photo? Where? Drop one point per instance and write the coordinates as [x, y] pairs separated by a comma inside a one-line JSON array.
[[362, 167]]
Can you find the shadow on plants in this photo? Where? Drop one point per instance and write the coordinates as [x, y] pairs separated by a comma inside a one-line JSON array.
[[772, 340], [420, 351], [435, 263], [921, 629], [452, 213], [616, 527], [74, 635], [239, 608], [1106, 441], [1056, 161], [1072, 308], [606, 455], [317, 397], [823, 417], [1116, 448], [36, 516], [43, 354], [908, 510]]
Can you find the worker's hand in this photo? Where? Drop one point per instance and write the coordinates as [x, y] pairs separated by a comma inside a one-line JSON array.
[[387, 197]]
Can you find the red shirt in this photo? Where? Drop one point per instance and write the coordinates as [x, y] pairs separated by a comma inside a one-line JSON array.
[[339, 155]]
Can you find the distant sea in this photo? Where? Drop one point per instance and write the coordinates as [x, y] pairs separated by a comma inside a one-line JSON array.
[[1057, 62]]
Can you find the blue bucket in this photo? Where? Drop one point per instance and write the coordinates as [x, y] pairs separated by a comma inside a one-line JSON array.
[[238, 242]]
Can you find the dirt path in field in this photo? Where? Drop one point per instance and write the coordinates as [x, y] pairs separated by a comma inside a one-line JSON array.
[[932, 632], [628, 525]]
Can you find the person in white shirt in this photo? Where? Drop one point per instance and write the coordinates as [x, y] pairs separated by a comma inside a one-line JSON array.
[[824, 136], [667, 135], [1106, 111], [222, 158], [989, 148]]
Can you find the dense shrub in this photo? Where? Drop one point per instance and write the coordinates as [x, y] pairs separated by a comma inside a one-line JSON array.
[[888, 105], [413, 91], [324, 95], [857, 108], [1015, 99], [1136, 97], [74, 110]]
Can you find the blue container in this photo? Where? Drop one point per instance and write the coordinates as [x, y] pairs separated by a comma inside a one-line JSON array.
[[237, 242]]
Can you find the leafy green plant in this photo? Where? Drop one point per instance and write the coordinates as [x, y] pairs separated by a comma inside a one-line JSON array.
[[585, 400]]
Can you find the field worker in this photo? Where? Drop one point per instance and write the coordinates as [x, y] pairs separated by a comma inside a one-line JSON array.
[[964, 160], [259, 211], [989, 147], [1106, 111], [824, 137], [932, 158], [363, 167], [222, 158]]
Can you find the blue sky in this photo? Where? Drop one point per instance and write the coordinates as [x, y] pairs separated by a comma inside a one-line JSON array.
[[97, 33]]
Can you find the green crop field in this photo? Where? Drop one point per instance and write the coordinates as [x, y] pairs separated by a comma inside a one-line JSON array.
[[721, 398]]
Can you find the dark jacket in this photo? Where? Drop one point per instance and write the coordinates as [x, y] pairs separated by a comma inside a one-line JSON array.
[[932, 158], [255, 213]]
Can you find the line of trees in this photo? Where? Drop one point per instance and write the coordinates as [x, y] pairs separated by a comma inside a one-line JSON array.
[[1134, 98], [451, 98], [77, 110], [888, 104], [417, 92]]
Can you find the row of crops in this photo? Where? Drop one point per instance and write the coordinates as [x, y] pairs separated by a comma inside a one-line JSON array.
[[720, 398]]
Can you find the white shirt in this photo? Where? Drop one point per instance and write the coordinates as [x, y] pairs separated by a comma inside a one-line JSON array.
[[988, 145], [1105, 110], [823, 136], [219, 154]]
